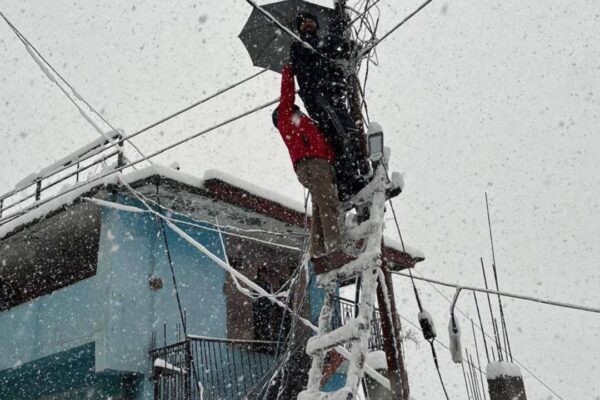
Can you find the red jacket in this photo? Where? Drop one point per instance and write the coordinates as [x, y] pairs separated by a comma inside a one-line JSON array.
[[303, 140]]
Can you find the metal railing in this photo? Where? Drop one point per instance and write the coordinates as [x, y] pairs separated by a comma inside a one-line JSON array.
[[210, 368], [204, 368], [172, 371], [347, 310], [70, 168]]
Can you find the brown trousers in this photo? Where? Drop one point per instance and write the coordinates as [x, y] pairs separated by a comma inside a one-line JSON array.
[[318, 176]]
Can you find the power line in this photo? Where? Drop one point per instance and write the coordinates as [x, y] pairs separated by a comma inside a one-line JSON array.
[[492, 339], [486, 334], [505, 294], [161, 121], [170, 260], [156, 153], [30, 47], [381, 39], [426, 325], [257, 288]]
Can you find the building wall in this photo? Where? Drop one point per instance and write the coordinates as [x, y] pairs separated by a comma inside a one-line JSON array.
[[117, 309], [132, 250]]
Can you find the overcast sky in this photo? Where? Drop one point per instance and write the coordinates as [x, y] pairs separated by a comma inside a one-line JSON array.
[[474, 96]]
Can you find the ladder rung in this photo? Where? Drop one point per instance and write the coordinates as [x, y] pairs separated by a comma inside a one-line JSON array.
[[362, 263], [350, 331]]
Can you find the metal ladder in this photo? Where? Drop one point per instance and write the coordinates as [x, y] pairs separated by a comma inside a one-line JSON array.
[[354, 335]]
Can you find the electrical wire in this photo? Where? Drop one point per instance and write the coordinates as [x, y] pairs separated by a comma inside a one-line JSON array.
[[506, 294], [342, 351], [28, 45], [156, 153], [381, 39], [203, 224], [198, 221], [175, 286], [161, 121], [419, 304], [145, 200]]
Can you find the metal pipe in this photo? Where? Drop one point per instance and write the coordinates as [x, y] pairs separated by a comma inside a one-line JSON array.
[[505, 294], [487, 354], [502, 319]]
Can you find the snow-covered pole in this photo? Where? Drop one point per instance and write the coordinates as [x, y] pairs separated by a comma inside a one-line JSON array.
[[392, 339], [356, 100]]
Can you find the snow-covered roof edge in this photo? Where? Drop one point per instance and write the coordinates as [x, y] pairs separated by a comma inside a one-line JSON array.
[[187, 179], [255, 190], [163, 171], [411, 251], [93, 148]]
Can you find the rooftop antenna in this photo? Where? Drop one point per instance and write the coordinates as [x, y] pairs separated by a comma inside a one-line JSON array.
[[487, 354], [478, 359], [466, 382], [472, 364], [471, 376], [494, 266], [496, 335]]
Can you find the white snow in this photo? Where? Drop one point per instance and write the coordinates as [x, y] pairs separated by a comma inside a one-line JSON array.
[[90, 149], [427, 315], [374, 127], [377, 360], [160, 363], [397, 180], [411, 251], [28, 180], [455, 342], [256, 190], [164, 171], [496, 369], [116, 206]]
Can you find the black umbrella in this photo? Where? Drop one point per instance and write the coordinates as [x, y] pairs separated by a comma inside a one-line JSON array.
[[267, 44]]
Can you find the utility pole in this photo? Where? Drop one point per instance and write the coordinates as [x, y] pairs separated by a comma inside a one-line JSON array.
[[390, 321]]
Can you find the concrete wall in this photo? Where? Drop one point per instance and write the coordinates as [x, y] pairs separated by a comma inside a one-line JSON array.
[[117, 309]]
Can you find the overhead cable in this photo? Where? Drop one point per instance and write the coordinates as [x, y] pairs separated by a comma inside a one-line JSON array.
[[481, 326], [505, 294], [259, 290], [426, 324], [119, 169], [38, 58], [104, 203], [381, 39]]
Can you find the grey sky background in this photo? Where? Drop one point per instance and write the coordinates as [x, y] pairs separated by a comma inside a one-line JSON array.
[[496, 96]]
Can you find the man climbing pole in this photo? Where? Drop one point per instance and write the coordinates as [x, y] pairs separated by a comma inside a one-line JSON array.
[[313, 158], [324, 91]]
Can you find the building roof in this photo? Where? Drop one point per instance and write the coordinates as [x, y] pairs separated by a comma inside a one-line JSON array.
[[215, 184]]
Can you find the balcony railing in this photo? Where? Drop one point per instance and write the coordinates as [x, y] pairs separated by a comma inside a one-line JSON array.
[[65, 171], [347, 310], [210, 369], [202, 368]]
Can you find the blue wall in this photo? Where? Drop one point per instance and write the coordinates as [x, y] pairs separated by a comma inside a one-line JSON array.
[[116, 309], [132, 248]]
